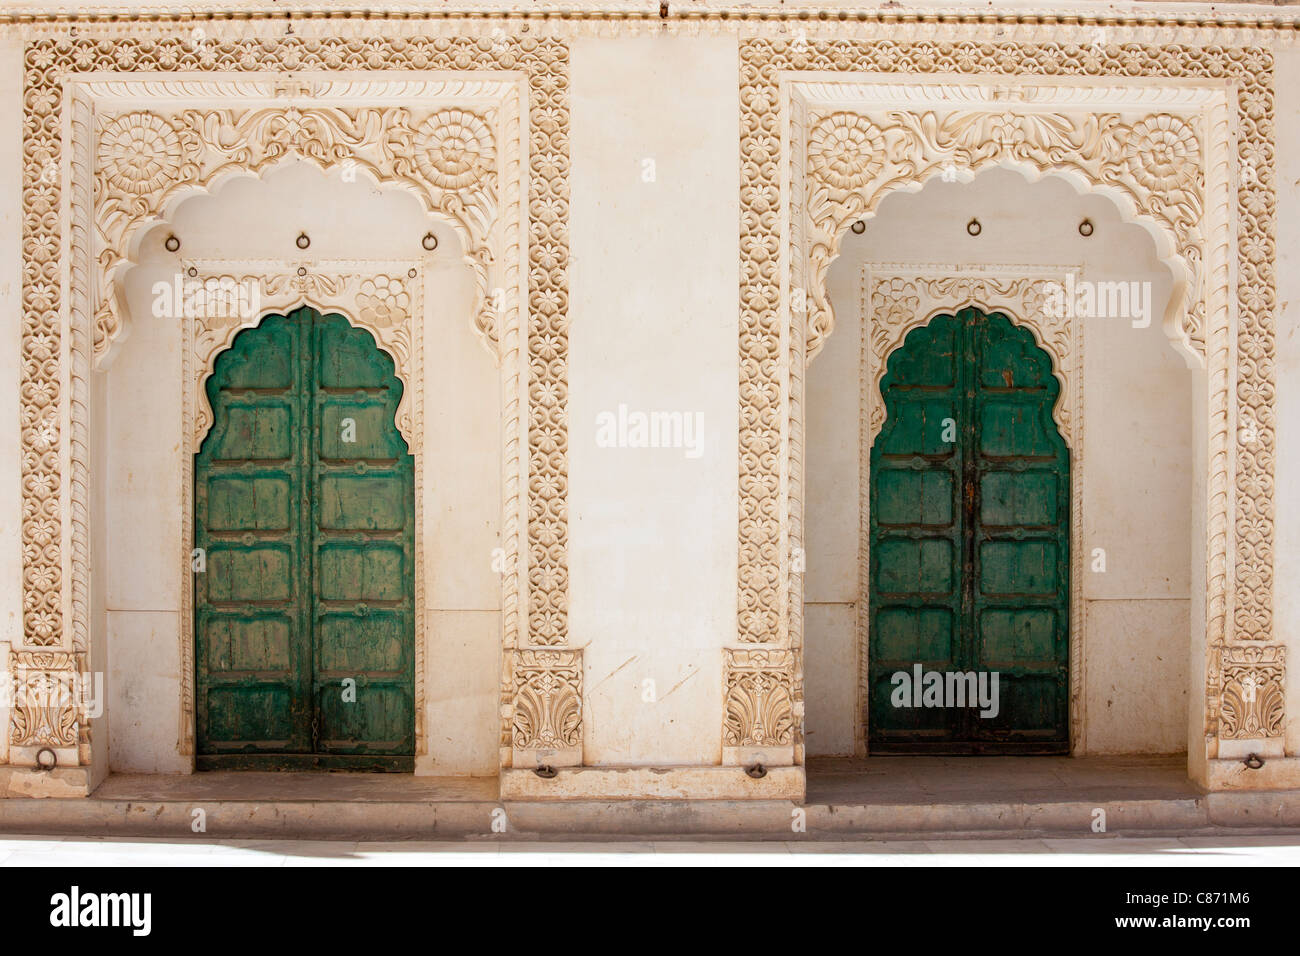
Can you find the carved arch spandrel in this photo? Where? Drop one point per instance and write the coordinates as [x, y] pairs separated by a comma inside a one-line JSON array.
[[1151, 165], [149, 161], [384, 298]]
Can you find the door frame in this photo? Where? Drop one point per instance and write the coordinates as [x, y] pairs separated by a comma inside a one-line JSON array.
[[332, 287], [897, 298], [223, 336]]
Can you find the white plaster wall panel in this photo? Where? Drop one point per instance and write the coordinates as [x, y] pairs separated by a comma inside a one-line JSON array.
[[462, 693], [654, 312], [831, 479], [1136, 680], [1137, 494], [831, 677], [462, 480], [143, 677], [143, 477], [11, 125], [1287, 402]]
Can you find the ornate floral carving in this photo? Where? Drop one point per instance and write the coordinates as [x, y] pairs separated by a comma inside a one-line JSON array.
[[1253, 700], [139, 154], [547, 700], [454, 149], [1162, 153], [383, 302], [45, 700], [1152, 162], [846, 150], [145, 160], [760, 698]]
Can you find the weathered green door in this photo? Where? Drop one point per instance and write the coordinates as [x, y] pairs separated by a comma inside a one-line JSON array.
[[304, 510], [969, 562]]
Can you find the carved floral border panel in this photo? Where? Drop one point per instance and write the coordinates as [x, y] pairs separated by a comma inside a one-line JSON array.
[[809, 169], [445, 156], [897, 298]]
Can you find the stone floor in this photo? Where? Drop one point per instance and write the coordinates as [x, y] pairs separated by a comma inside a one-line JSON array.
[[831, 780], [880, 799], [1232, 850], [931, 780]]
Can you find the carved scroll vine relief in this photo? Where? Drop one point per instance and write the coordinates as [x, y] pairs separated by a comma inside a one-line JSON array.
[[855, 159], [379, 302], [125, 167], [143, 159]]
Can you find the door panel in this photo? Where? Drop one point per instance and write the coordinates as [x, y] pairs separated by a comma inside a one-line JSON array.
[[304, 503], [969, 539]]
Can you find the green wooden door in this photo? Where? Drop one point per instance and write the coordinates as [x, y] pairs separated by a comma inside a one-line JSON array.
[[304, 507], [969, 561]]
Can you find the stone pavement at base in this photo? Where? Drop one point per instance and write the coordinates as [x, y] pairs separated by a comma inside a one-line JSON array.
[[1217, 851]]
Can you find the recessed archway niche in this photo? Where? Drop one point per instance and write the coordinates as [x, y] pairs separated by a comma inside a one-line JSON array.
[[1171, 148], [1129, 618]]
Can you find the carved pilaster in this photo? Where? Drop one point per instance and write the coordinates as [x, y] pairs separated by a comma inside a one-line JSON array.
[[1252, 703], [546, 708], [763, 706], [48, 709]]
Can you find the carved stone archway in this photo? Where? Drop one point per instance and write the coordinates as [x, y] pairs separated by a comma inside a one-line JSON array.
[[831, 127], [118, 129]]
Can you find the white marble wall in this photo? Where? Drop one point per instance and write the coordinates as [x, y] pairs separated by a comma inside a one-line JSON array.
[[653, 279], [652, 539]]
